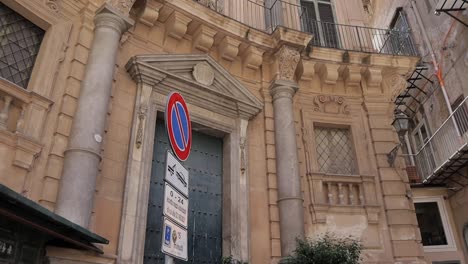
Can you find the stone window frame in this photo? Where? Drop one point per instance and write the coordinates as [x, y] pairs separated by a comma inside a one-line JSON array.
[[55, 41], [446, 223], [153, 85], [31, 105], [366, 175]]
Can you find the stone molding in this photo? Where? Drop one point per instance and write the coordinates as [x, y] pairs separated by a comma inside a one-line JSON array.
[[352, 75], [283, 89], [26, 149], [176, 25], [328, 72], [306, 70], [150, 13], [373, 76], [229, 48], [203, 38], [253, 57]]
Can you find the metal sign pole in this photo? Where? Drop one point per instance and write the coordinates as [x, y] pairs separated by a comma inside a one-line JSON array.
[[168, 260]]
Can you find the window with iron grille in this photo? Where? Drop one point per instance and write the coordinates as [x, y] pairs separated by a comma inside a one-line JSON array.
[[19, 45], [335, 151]]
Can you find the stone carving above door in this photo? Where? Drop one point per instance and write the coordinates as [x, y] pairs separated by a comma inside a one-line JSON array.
[[201, 80], [331, 104], [203, 73]]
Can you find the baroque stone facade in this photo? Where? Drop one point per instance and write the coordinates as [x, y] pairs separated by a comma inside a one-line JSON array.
[[84, 122]]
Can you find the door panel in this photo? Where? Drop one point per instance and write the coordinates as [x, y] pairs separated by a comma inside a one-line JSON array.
[[205, 199]]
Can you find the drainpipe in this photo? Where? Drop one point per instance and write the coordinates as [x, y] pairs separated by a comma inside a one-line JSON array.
[[434, 60]]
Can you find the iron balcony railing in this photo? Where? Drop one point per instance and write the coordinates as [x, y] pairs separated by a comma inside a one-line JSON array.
[[267, 15], [445, 146]]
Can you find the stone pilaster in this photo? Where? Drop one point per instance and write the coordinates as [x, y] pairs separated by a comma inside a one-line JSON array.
[[399, 208], [290, 200], [82, 157]]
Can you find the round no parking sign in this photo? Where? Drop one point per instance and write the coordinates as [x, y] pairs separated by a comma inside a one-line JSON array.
[[179, 128]]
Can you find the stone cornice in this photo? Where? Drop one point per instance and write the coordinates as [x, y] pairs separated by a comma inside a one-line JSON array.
[[255, 46]]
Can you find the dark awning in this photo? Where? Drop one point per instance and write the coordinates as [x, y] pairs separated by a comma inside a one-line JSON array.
[[22, 210]]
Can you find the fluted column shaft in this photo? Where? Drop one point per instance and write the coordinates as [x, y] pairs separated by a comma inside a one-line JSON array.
[[290, 201], [82, 157]]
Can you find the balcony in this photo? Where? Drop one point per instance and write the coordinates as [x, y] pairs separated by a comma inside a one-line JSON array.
[[268, 15], [443, 156]]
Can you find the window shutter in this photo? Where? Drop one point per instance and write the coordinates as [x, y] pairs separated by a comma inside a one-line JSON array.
[[326, 13], [309, 18], [309, 10]]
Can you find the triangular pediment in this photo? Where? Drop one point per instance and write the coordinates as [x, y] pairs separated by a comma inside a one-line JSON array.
[[197, 76]]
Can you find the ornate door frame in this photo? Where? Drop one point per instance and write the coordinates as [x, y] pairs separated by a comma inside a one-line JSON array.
[[216, 100]]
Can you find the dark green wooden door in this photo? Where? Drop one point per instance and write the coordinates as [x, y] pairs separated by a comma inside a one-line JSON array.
[[205, 199]]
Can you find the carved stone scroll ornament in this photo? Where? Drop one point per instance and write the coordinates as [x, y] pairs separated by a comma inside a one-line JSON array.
[[52, 4], [330, 104], [288, 59]]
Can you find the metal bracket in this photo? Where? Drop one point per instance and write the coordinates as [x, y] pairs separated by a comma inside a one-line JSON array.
[[391, 156]]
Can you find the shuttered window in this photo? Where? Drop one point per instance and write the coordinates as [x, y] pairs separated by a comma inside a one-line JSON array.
[[319, 20], [326, 13], [320, 10]]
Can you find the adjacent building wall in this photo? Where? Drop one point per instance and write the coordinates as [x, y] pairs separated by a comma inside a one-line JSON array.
[[331, 92], [449, 39]]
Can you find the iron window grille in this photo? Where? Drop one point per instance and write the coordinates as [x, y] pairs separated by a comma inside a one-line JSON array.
[[335, 152], [20, 41]]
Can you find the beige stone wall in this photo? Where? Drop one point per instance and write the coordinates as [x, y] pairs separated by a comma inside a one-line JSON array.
[[384, 220]]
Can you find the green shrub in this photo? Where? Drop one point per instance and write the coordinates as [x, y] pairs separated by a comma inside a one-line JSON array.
[[231, 260], [327, 249]]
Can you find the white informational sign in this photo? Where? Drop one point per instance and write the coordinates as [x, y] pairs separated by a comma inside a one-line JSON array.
[[174, 241], [176, 174], [175, 205]]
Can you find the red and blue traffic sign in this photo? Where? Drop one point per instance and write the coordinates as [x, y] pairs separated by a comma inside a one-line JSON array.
[[179, 128]]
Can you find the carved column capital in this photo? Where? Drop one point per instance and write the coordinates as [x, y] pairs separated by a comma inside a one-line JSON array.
[[283, 89], [288, 59], [108, 16], [123, 6]]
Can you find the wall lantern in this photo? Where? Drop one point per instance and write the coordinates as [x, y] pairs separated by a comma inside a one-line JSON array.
[[401, 123]]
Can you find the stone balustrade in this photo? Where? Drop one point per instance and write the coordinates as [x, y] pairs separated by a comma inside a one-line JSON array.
[[13, 104], [344, 193]]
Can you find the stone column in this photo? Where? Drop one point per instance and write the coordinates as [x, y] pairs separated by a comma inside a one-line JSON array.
[[287, 170], [82, 157]]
